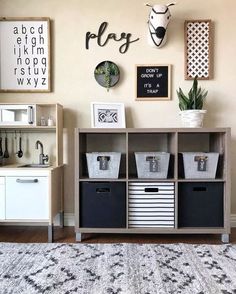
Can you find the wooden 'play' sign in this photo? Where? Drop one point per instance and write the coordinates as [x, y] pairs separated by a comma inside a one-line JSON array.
[[153, 82]]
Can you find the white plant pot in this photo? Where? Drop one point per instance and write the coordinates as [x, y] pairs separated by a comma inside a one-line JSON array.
[[192, 118]]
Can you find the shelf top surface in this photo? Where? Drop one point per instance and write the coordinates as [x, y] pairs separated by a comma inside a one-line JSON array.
[[26, 126], [29, 103], [29, 128], [135, 179], [153, 130]]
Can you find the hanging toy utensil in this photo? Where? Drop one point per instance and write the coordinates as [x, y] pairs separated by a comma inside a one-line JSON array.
[[6, 153], [1, 153], [20, 151]]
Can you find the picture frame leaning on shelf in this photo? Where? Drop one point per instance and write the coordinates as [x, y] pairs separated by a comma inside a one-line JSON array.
[[107, 115]]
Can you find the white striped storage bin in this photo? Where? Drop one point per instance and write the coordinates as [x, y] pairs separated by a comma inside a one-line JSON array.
[[151, 204]]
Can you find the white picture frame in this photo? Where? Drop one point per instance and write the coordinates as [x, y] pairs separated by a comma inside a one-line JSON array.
[[107, 115], [25, 54]]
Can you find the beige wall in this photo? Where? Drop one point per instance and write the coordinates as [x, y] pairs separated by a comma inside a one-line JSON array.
[[73, 82]]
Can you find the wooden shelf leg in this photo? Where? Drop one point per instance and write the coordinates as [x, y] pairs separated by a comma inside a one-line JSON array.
[[225, 238], [61, 219], [79, 237], [50, 233]]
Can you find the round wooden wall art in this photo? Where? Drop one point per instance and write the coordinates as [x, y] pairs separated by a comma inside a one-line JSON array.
[[107, 74]]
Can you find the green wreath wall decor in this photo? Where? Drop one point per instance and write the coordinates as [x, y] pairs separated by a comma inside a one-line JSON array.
[[107, 74]]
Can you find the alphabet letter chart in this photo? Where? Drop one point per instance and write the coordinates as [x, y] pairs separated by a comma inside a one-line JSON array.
[[25, 55]]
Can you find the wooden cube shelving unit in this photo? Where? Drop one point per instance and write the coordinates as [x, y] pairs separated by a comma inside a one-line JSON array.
[[173, 141]]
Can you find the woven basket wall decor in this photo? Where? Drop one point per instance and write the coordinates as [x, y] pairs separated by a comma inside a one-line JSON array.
[[198, 49]]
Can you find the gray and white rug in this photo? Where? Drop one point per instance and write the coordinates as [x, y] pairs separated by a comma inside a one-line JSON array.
[[117, 268]]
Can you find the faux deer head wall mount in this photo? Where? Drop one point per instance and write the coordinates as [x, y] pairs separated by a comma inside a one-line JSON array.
[[158, 21]]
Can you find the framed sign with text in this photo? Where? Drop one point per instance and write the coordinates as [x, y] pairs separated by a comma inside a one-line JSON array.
[[25, 55], [153, 82]]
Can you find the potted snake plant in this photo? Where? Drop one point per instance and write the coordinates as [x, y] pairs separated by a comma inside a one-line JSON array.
[[191, 105]]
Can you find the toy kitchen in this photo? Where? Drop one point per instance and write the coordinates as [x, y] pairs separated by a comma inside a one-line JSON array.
[[31, 164]]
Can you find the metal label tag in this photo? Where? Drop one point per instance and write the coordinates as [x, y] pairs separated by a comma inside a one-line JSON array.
[[153, 167], [153, 164], [201, 162], [103, 162]]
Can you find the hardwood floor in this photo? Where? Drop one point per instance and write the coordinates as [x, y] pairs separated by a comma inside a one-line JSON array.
[[28, 234]]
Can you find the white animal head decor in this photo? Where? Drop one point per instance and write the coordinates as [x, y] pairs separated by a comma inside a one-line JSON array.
[[159, 18]]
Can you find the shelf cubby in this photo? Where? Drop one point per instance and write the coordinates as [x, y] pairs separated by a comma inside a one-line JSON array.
[[35, 130], [203, 142], [101, 142], [151, 142]]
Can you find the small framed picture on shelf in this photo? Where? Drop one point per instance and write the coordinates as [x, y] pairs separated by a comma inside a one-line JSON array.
[[107, 115]]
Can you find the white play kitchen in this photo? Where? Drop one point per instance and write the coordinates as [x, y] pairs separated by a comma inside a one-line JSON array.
[[31, 164]]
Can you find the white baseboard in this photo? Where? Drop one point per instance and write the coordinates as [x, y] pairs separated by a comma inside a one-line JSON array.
[[233, 220], [69, 221]]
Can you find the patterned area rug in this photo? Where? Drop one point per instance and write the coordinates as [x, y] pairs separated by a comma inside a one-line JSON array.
[[117, 268]]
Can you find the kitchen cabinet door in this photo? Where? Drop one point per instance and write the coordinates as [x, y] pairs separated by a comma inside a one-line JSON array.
[[2, 198], [27, 198]]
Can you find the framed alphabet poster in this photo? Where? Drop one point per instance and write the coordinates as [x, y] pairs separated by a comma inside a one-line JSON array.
[[153, 82], [25, 55]]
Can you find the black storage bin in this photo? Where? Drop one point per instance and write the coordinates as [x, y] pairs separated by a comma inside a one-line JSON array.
[[103, 204], [200, 204]]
